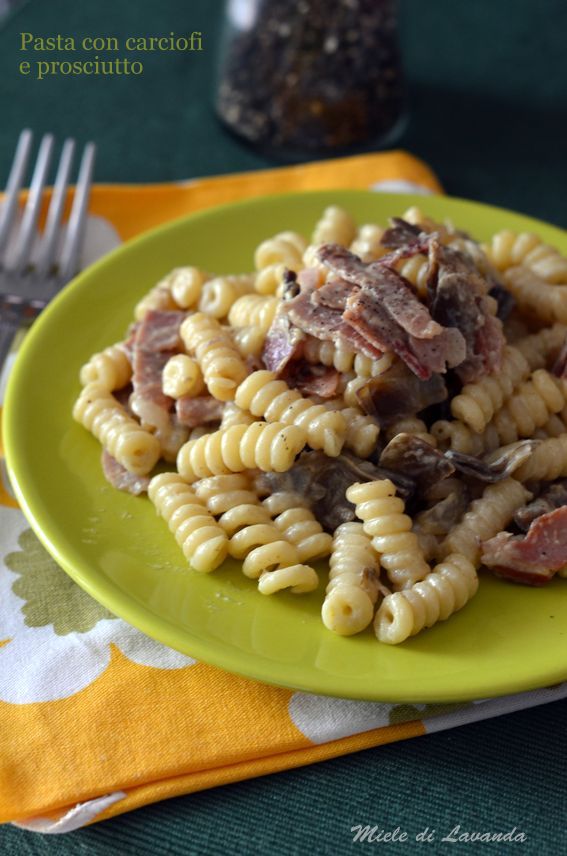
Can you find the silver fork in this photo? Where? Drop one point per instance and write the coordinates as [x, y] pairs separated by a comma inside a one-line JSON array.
[[28, 282]]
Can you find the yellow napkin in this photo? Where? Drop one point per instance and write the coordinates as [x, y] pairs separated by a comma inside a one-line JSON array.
[[96, 718]]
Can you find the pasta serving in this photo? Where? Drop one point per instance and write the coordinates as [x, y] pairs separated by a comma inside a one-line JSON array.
[[391, 398]]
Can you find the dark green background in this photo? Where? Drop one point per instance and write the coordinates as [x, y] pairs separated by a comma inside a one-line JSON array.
[[488, 83]]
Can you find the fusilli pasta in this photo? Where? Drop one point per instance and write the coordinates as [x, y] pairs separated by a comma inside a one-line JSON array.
[[382, 513], [445, 590], [219, 293], [111, 368], [298, 525], [547, 303], [353, 586], [336, 226], [508, 249], [367, 243], [547, 462], [203, 541], [182, 376], [478, 402], [269, 447], [487, 516], [133, 447], [263, 395], [222, 366], [254, 310]]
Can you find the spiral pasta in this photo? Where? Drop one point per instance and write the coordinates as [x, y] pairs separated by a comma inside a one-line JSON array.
[[478, 402], [185, 284], [272, 257], [508, 249], [362, 431], [182, 376], [416, 271], [263, 395], [218, 294], [382, 513], [133, 447], [486, 516], [352, 386], [530, 406], [547, 303], [111, 368], [249, 340], [222, 366], [547, 462], [298, 525], [285, 248], [254, 310], [269, 447], [353, 587], [367, 243], [450, 585], [180, 289], [254, 538], [460, 438], [203, 541], [157, 298], [554, 427], [328, 354], [232, 414], [335, 226], [538, 347], [300, 579]]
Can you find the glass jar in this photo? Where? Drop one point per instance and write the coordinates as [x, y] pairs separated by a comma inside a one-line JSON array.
[[312, 76]]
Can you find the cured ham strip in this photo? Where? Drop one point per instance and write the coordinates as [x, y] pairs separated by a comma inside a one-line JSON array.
[[385, 312], [157, 339], [393, 291], [533, 558], [159, 331], [312, 380], [119, 477], [284, 341], [199, 410]]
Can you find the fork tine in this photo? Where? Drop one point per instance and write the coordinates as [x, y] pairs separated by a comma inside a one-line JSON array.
[[13, 187], [33, 206], [77, 221], [55, 212]]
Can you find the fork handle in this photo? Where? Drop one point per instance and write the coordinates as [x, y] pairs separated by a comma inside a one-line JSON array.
[[9, 326]]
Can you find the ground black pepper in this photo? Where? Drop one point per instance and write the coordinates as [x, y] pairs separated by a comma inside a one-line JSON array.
[[310, 75]]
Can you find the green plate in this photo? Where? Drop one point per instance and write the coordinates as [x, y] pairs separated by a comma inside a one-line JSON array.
[[508, 639]]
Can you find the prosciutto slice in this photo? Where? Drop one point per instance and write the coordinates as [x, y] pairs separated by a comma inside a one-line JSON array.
[[159, 331], [119, 477], [157, 338], [199, 410], [534, 558], [283, 342], [385, 311], [312, 379]]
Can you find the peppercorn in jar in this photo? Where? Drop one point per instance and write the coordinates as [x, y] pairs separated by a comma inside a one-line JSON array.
[[311, 76]]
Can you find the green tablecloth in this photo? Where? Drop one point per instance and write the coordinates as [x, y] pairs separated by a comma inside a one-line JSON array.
[[489, 113]]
